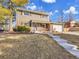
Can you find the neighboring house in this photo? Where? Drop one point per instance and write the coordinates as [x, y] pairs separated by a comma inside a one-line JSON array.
[[58, 27], [74, 29], [38, 21], [74, 26], [71, 26], [72, 23]]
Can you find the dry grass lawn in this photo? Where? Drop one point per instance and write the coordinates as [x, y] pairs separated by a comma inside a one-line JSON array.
[[31, 46]]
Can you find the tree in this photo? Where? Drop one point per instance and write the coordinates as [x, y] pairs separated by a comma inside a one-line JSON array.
[[11, 5], [19, 2], [70, 16], [3, 14]]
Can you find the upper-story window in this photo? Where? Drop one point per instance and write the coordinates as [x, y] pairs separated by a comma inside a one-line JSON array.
[[26, 13], [43, 16]]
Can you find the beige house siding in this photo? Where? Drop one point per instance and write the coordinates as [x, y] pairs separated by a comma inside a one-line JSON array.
[[26, 18], [40, 21]]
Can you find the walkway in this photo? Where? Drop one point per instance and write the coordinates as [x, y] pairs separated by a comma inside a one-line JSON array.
[[72, 33], [64, 43]]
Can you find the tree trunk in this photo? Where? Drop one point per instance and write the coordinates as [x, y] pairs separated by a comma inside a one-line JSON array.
[[10, 26]]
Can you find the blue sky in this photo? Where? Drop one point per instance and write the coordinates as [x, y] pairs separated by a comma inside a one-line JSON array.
[[55, 8]]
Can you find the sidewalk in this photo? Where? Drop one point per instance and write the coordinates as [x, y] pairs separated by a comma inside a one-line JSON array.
[[72, 33], [67, 46]]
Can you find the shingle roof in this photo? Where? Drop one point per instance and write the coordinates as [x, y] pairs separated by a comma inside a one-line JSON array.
[[38, 21], [34, 12], [58, 23]]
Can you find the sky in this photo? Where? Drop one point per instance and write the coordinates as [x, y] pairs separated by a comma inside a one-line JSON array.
[[56, 8]]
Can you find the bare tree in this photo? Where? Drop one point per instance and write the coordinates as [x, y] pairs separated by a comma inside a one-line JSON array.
[[70, 16]]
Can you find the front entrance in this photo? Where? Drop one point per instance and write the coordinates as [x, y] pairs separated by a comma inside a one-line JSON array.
[[40, 27]]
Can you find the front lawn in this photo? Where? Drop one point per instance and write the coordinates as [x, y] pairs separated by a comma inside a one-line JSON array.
[[31, 46]]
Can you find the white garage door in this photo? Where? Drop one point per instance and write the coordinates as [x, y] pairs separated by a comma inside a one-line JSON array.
[[57, 28]]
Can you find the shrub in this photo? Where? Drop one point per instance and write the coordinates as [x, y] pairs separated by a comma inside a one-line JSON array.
[[22, 29]]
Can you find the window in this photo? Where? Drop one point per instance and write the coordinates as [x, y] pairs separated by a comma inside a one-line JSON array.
[[26, 13], [25, 23], [21, 23], [43, 16]]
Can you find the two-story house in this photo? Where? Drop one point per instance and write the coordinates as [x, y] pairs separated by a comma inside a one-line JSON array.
[[38, 21]]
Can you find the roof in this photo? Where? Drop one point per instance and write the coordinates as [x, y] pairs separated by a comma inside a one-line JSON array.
[[34, 12], [73, 22], [38, 21], [57, 23]]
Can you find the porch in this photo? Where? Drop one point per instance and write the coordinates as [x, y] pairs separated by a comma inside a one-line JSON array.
[[40, 27]]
